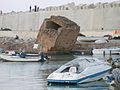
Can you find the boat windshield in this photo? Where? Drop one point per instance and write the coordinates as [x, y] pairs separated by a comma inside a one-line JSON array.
[[73, 69], [65, 70], [79, 63]]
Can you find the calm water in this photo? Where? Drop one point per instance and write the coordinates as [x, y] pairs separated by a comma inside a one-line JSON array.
[[32, 76]]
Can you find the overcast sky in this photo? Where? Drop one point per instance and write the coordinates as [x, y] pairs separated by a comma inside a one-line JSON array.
[[23, 5]]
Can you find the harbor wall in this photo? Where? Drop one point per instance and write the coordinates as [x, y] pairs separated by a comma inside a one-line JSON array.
[[94, 19]]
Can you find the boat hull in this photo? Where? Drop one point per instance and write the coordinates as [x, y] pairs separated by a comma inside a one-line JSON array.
[[10, 58], [93, 77], [80, 70]]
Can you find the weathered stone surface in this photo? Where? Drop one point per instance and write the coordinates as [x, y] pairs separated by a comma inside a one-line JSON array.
[[58, 33]]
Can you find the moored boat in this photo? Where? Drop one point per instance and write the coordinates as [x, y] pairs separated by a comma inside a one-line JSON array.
[[102, 51], [17, 58], [80, 70]]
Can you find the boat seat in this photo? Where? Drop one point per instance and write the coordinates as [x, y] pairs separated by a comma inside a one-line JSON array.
[[73, 69]]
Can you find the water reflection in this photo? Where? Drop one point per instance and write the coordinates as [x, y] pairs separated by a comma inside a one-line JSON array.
[[32, 76]]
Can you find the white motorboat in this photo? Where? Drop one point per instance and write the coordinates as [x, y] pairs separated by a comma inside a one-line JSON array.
[[102, 51], [80, 70], [17, 58]]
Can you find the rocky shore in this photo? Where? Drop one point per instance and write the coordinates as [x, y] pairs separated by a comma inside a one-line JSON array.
[[86, 47], [11, 43]]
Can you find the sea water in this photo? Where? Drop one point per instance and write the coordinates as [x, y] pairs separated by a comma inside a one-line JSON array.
[[33, 75]]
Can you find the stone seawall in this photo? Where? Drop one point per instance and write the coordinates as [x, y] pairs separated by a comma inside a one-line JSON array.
[[101, 17]]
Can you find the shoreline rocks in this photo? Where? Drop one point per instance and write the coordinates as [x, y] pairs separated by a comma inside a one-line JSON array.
[[10, 43]]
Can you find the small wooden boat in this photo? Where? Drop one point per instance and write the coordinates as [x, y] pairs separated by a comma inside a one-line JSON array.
[[17, 58]]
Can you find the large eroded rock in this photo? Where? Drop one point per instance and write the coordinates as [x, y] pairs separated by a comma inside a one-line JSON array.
[[58, 33]]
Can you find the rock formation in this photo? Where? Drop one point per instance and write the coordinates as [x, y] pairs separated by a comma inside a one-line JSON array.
[[58, 33]]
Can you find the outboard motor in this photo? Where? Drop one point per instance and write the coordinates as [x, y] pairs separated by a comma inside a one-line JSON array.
[[42, 57], [22, 55]]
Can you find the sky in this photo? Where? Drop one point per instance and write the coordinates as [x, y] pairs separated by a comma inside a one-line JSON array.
[[23, 5]]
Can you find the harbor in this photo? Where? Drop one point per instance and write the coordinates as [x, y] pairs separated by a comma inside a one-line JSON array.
[[70, 46], [26, 62], [32, 76]]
